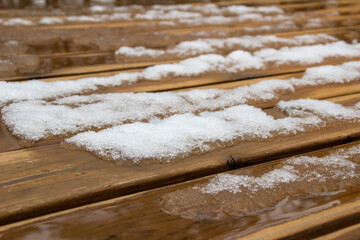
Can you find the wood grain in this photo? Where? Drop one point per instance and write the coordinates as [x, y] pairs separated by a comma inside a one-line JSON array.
[[139, 216], [287, 7], [9, 142], [46, 179], [113, 68], [50, 192], [352, 232]]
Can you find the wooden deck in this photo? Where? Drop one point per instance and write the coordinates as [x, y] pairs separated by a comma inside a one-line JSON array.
[[50, 192]]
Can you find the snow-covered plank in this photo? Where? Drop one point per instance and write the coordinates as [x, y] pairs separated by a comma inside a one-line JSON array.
[[237, 64], [49, 178], [70, 115], [137, 12], [103, 67], [99, 68], [345, 233], [9, 142]]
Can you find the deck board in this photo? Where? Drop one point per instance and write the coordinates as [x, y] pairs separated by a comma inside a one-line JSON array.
[[72, 194], [74, 178]]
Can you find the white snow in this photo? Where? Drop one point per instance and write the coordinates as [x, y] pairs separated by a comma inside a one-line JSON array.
[[100, 18], [212, 45], [304, 107], [242, 9], [223, 20], [138, 52], [98, 8], [308, 54], [181, 135], [172, 14], [35, 89], [183, 13], [51, 20], [204, 9], [232, 183], [283, 26], [130, 107], [294, 170], [18, 22]]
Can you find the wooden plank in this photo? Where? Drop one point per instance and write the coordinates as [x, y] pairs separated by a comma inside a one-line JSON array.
[[287, 7], [82, 70], [180, 83], [321, 92], [9, 13], [46, 179], [177, 83], [139, 216], [122, 24], [9, 142], [352, 232], [315, 224], [337, 31], [110, 67]]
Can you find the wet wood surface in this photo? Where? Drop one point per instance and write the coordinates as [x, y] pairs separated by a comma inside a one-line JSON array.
[[140, 216], [33, 183], [352, 232], [50, 192]]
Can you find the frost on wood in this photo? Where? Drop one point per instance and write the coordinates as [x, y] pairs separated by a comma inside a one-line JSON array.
[[70, 115], [181, 135], [291, 179], [234, 63], [220, 45]]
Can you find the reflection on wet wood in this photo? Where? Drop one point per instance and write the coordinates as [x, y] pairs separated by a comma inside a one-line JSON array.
[[352, 232], [70, 65], [140, 216]]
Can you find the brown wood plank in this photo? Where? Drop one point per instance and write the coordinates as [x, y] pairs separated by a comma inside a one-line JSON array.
[[352, 232], [337, 31], [231, 28], [46, 179], [8, 13], [84, 71], [316, 224], [9, 142], [287, 7], [140, 216], [206, 79], [117, 24]]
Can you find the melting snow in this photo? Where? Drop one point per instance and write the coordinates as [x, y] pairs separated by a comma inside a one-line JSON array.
[[211, 45], [317, 169], [157, 12], [290, 179], [69, 115], [184, 134], [235, 62]]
